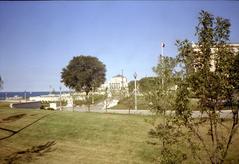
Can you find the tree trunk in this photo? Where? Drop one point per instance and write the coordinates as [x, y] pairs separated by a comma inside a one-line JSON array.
[[88, 101]]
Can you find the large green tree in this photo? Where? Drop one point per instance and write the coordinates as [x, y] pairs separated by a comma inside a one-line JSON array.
[[84, 74], [210, 71], [144, 84]]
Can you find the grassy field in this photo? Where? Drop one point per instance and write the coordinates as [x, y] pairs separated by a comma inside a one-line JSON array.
[[128, 103], [5, 105], [78, 137], [73, 137]]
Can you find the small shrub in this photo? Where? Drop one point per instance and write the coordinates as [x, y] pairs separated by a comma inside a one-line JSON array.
[[42, 107], [50, 108]]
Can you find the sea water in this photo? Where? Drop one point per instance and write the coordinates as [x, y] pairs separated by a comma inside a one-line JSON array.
[[4, 95]]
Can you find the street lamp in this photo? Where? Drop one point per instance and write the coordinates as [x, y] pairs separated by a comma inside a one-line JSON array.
[[25, 95], [135, 91]]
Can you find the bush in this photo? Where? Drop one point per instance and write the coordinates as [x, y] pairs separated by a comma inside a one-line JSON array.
[[42, 107], [50, 108]]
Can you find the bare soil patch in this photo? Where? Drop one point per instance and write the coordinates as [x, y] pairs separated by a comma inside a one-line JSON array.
[[12, 118], [30, 154]]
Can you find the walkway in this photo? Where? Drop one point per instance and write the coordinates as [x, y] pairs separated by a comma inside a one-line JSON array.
[[195, 114]]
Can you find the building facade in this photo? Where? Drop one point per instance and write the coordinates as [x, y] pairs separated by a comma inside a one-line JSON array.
[[116, 83], [234, 46]]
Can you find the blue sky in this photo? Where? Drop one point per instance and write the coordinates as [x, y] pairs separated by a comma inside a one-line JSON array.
[[38, 39]]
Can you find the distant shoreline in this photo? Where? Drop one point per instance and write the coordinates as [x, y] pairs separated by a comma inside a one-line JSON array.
[[4, 95]]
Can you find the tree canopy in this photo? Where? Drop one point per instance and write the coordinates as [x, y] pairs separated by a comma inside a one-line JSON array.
[[84, 73], [144, 84], [211, 72]]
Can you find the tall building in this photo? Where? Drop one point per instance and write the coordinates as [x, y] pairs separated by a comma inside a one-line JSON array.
[[234, 46]]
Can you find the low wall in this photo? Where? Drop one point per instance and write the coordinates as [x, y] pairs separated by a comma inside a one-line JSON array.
[[27, 105]]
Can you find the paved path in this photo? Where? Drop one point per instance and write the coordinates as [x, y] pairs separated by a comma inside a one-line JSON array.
[[100, 108], [195, 114], [223, 114]]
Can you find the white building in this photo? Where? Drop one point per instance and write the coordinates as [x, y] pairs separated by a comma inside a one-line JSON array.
[[117, 83]]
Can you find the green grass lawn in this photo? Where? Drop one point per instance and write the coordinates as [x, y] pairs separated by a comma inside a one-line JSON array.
[[128, 103], [79, 137], [142, 104], [5, 105]]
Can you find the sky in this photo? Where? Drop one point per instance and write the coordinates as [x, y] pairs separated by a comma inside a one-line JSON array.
[[38, 39]]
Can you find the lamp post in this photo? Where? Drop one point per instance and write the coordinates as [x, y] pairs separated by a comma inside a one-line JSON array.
[[60, 98], [25, 95], [135, 91]]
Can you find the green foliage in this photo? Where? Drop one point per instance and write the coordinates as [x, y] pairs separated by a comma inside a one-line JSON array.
[[234, 72], [84, 73], [168, 136], [49, 108], [159, 91], [210, 71], [143, 84], [182, 108], [131, 86], [166, 67], [42, 107], [185, 57], [146, 83]]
